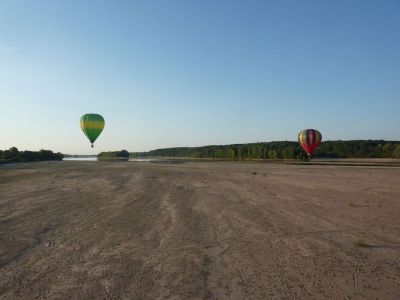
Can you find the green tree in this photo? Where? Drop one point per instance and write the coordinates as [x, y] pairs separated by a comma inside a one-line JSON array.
[[396, 152]]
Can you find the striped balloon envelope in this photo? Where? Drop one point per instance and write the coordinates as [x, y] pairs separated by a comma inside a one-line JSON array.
[[92, 125], [309, 140]]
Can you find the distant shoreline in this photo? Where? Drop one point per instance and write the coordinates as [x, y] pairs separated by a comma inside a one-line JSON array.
[[371, 162], [384, 162]]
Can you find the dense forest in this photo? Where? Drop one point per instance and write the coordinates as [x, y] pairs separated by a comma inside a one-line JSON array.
[[14, 155], [284, 150]]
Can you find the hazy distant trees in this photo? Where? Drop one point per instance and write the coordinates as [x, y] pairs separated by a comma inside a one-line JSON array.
[[13, 155], [285, 150]]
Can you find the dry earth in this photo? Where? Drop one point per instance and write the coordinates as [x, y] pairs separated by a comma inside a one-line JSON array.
[[93, 230]]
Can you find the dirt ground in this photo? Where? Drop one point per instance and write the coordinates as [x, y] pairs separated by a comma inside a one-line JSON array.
[[143, 230]]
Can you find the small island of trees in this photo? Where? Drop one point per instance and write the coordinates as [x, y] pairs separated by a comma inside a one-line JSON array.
[[113, 155]]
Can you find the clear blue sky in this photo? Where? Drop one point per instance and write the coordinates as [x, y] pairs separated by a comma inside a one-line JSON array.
[[188, 73]]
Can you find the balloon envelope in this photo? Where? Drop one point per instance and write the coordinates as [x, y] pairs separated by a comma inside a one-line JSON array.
[[309, 140], [92, 125]]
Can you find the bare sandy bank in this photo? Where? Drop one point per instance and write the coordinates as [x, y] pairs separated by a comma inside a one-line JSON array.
[[183, 230]]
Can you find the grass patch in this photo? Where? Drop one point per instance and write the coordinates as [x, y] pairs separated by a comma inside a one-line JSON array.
[[102, 158]]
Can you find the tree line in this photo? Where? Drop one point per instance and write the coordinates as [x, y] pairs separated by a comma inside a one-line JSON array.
[[284, 150], [14, 155]]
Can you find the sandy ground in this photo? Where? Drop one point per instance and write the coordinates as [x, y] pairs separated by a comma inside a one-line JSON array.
[[97, 230]]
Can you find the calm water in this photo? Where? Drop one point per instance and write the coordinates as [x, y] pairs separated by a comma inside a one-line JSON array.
[[80, 158], [142, 159], [95, 159]]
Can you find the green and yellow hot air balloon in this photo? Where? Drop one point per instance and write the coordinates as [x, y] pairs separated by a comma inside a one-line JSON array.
[[92, 125]]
